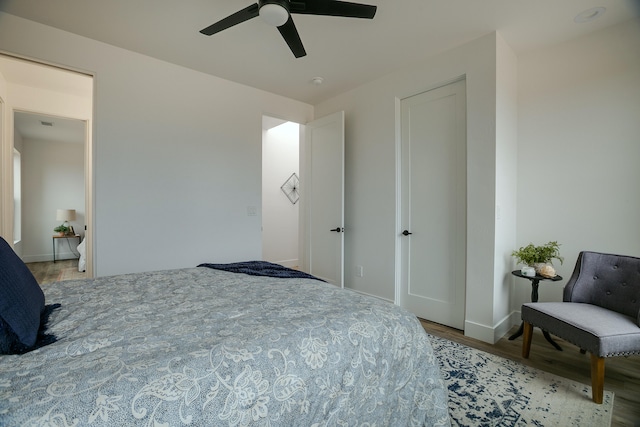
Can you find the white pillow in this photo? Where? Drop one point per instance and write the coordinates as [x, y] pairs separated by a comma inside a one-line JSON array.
[[82, 261]]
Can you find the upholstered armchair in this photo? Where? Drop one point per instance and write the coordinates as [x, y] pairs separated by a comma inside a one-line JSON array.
[[600, 312]]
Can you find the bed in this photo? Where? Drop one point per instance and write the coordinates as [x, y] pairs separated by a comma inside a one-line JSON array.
[[207, 347]]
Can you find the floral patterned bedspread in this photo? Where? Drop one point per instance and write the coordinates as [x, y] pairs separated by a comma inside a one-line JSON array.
[[202, 347]]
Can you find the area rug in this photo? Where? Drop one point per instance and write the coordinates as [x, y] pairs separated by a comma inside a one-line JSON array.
[[488, 390]]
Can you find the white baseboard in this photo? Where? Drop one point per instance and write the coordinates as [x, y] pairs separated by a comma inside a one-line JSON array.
[[289, 263], [491, 334], [371, 295], [47, 257]]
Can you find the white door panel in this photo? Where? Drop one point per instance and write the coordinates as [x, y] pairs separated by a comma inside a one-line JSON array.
[[324, 188], [433, 204]]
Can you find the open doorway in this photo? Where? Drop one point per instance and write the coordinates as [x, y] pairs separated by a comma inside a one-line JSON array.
[[280, 180], [52, 156], [49, 111]]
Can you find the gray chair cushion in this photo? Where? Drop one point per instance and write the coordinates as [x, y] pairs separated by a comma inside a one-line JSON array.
[[598, 330], [606, 280]]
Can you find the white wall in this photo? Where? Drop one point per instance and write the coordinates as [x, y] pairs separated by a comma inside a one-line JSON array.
[[177, 153], [370, 187], [53, 178], [280, 158], [558, 128], [579, 148], [506, 185]]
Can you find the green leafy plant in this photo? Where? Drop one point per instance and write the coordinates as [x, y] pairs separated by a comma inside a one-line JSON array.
[[531, 254], [62, 229]]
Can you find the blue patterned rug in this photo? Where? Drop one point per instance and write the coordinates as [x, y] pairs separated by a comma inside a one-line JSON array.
[[488, 390]]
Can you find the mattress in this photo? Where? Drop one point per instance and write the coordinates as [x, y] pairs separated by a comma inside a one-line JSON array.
[[204, 347]]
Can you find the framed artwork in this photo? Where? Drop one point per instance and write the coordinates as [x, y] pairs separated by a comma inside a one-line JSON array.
[[291, 188]]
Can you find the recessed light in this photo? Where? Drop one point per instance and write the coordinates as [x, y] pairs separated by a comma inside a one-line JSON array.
[[589, 15], [317, 81]]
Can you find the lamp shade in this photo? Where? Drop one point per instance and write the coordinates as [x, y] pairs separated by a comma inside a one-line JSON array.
[[66, 215]]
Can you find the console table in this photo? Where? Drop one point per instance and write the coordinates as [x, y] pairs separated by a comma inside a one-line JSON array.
[[69, 236]]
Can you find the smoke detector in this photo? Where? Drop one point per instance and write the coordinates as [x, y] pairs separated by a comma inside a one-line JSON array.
[[589, 15]]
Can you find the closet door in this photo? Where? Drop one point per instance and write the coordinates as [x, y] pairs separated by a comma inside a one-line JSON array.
[[433, 204]]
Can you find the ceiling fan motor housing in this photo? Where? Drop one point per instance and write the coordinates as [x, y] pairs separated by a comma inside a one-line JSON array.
[[274, 12]]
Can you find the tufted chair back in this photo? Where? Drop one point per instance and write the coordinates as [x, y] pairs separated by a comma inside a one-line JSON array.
[[606, 280]]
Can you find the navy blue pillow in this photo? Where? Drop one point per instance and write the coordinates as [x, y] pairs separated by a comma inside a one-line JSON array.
[[21, 302]]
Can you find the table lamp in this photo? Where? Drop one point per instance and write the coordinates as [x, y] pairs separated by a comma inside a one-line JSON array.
[[66, 215]]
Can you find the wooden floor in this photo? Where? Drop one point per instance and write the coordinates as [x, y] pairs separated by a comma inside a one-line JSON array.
[[48, 272], [622, 374]]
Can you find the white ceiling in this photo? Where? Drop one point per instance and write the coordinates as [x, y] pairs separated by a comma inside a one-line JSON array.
[[44, 77], [345, 52], [30, 126]]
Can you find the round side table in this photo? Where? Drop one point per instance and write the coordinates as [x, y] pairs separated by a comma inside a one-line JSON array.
[[535, 281]]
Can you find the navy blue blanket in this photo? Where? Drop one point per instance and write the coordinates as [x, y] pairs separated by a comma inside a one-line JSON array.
[[261, 268]]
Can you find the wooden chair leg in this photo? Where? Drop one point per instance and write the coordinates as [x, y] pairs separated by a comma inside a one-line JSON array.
[[597, 378], [526, 339]]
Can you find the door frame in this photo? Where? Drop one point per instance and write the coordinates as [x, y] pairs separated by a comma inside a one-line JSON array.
[[306, 172], [302, 202], [7, 145], [299, 202], [6, 177], [398, 177]]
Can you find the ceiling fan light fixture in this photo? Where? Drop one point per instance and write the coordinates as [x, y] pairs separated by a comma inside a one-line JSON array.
[[274, 14]]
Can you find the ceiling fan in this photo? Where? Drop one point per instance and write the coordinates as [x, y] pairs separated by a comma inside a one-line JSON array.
[[278, 14]]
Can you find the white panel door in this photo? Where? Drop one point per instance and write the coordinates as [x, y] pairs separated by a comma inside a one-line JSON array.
[[323, 187], [433, 204]]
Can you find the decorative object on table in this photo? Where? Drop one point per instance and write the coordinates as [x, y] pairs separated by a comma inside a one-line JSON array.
[[65, 215], [528, 271], [547, 270], [61, 230], [539, 257], [291, 188]]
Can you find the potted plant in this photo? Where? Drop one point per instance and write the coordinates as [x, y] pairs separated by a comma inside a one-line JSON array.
[[62, 230], [539, 257]]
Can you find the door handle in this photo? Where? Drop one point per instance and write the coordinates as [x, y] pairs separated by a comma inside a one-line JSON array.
[[406, 233], [337, 229]]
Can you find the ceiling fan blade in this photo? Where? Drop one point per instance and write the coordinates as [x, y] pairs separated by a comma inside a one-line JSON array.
[[231, 20], [333, 8], [291, 36]]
